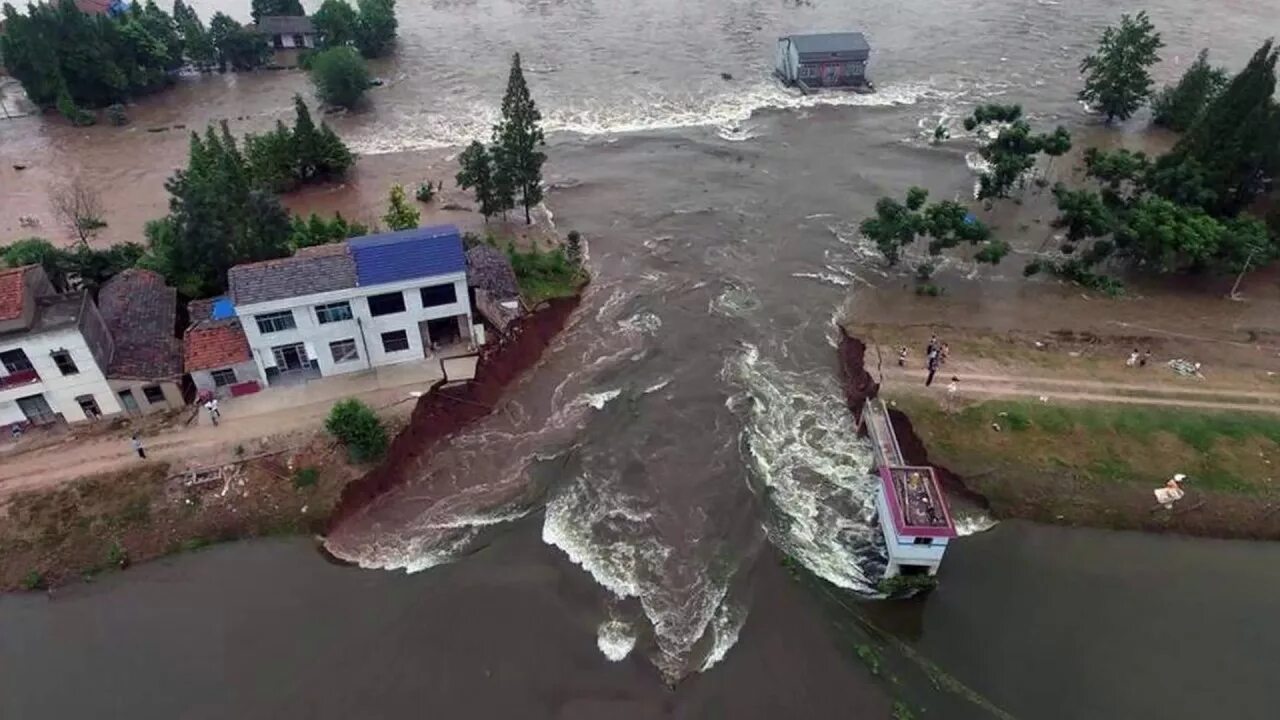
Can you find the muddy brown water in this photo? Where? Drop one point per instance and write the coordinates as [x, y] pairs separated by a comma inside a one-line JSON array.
[[687, 421]]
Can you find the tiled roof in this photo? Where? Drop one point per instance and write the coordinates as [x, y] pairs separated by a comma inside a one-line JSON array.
[[12, 291], [489, 269], [214, 344], [285, 25], [408, 254], [304, 274], [139, 310]]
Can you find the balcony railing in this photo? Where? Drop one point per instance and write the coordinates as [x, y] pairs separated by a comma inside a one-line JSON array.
[[21, 377]]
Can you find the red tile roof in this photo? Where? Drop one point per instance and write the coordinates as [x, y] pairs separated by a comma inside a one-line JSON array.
[[214, 344], [12, 291], [140, 311]]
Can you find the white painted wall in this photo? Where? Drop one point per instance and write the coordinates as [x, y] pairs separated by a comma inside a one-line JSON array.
[[59, 390], [245, 372], [364, 328]]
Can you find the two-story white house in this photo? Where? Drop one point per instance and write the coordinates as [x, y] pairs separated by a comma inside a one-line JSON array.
[[367, 302], [53, 352]]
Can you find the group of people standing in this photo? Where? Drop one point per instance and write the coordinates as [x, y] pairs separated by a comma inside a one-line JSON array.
[[935, 356]]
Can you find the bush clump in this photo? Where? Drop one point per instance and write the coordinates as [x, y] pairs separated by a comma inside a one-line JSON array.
[[305, 477], [355, 425], [340, 76]]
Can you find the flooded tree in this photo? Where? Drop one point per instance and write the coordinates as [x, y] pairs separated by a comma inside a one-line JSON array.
[[268, 8], [1117, 76], [340, 76], [1178, 106], [476, 174], [400, 214], [335, 22], [376, 27], [897, 225], [236, 47], [1011, 152], [517, 138], [78, 207]]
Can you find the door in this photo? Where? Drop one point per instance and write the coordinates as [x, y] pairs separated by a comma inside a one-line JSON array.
[[37, 409], [89, 405], [831, 74], [129, 402], [290, 357]]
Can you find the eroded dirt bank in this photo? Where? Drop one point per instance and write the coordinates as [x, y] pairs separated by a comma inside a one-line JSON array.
[[444, 411]]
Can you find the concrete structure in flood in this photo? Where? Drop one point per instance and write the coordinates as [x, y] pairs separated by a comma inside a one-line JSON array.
[[827, 60], [912, 510]]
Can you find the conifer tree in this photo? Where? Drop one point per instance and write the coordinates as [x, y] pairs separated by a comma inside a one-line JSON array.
[[1177, 106], [400, 215], [517, 138]]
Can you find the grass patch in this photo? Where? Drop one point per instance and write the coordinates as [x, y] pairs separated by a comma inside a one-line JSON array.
[[545, 275], [305, 477]]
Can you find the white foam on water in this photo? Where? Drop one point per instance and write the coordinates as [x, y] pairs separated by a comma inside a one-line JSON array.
[[804, 450], [616, 639], [645, 323], [725, 627], [825, 277], [973, 524], [600, 399], [657, 386], [735, 301]]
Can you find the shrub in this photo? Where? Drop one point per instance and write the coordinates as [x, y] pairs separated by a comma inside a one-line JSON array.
[[116, 116], [425, 192], [305, 477], [33, 580], [573, 249], [340, 76], [355, 425], [116, 556]]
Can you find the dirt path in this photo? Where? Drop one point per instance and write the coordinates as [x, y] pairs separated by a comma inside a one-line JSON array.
[[181, 446], [1173, 394]]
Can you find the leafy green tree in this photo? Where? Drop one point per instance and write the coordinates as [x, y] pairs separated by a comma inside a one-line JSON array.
[[340, 76], [1117, 76], [376, 28], [37, 251], [400, 214], [1165, 237], [1178, 106], [895, 224], [235, 46], [318, 231], [197, 46], [269, 8], [285, 158], [1236, 139], [476, 173], [68, 269], [357, 427], [335, 22], [517, 137], [948, 223], [1013, 150], [1083, 214]]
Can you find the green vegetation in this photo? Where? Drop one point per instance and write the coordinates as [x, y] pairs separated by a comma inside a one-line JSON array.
[[269, 8], [340, 76], [356, 425], [1098, 464], [318, 231], [71, 268], [545, 275], [1013, 151], [902, 586], [1117, 76], [902, 711], [289, 157], [33, 580], [1177, 107], [869, 657], [371, 29], [426, 192], [305, 477], [116, 556], [947, 224], [235, 46], [511, 168], [400, 214]]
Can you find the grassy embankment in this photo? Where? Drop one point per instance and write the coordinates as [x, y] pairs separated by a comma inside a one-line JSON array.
[[1097, 465]]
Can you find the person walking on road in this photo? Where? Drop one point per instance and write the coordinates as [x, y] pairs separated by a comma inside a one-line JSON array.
[[933, 368], [137, 446], [212, 407]]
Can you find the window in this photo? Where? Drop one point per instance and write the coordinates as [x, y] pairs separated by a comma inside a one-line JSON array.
[[386, 304], [224, 377], [153, 394], [395, 341], [333, 312], [922, 541], [345, 350], [275, 322], [438, 295], [90, 406], [62, 359], [15, 361]]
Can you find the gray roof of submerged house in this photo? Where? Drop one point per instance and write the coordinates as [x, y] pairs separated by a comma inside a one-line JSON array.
[[323, 269], [140, 312], [826, 44], [285, 25], [489, 269], [359, 262]]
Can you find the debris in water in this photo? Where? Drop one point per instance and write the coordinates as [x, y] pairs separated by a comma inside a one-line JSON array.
[[726, 76], [1171, 492]]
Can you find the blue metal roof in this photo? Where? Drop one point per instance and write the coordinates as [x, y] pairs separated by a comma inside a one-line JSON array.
[[408, 254]]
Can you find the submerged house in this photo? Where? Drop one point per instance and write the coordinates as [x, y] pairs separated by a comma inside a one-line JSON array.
[[287, 32], [495, 294], [828, 60]]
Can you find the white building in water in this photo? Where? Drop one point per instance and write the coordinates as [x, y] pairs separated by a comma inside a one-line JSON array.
[[364, 303]]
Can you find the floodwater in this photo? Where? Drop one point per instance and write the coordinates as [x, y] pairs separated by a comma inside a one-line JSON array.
[[611, 528]]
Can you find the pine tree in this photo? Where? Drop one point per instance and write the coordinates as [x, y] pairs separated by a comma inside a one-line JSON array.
[[1237, 136], [476, 173], [400, 215], [1177, 106], [1117, 80], [517, 138]]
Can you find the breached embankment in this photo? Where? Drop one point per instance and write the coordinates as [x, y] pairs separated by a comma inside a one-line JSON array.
[[442, 412]]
